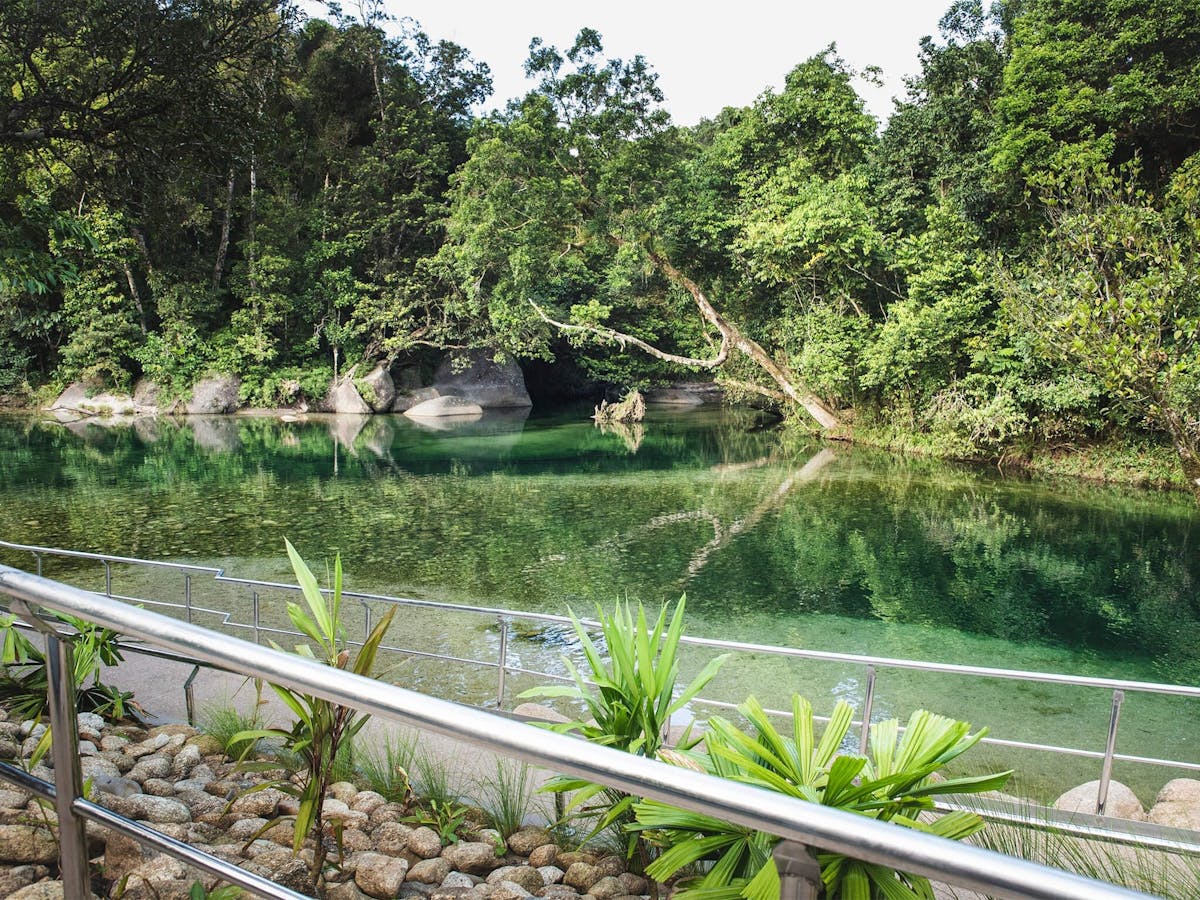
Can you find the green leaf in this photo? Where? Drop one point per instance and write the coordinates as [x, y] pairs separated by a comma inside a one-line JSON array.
[[687, 852], [765, 884], [365, 661], [312, 596]]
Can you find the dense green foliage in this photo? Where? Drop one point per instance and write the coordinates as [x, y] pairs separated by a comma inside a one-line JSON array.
[[1006, 268]]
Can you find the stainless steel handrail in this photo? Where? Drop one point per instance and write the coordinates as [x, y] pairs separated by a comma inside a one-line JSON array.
[[794, 820], [872, 664], [889, 662]]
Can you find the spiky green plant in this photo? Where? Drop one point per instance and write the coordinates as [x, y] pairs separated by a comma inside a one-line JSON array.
[[628, 698], [435, 777], [892, 783], [322, 729], [23, 685]]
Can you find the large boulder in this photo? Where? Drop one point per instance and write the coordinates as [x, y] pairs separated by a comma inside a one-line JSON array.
[[478, 378], [377, 388], [146, 395], [1178, 804], [343, 398], [214, 395], [1122, 803], [440, 407], [685, 393], [78, 400]]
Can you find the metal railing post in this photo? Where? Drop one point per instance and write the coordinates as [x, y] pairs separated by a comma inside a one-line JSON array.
[[1110, 748], [107, 578], [257, 632], [64, 752], [503, 662], [187, 594], [68, 779], [189, 695], [38, 557], [868, 702], [799, 872]]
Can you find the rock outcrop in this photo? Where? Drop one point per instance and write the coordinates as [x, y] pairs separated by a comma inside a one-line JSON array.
[[377, 389], [77, 401], [479, 379], [214, 395]]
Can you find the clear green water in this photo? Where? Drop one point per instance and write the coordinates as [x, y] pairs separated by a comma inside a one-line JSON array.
[[831, 548]]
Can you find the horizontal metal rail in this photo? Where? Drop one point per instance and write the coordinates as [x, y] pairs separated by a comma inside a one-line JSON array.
[[1107, 756], [1080, 825], [794, 820], [888, 662], [94, 812]]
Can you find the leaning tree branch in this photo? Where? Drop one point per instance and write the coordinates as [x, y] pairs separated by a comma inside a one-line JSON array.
[[732, 335], [621, 338]]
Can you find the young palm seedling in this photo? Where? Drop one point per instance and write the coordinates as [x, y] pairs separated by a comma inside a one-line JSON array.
[[892, 783]]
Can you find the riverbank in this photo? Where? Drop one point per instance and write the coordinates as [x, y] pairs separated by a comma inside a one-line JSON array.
[[1131, 462]]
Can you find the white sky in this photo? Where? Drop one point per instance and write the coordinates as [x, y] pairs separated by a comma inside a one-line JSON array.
[[707, 55]]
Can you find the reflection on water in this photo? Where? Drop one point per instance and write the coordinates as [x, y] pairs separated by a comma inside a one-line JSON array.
[[830, 548]]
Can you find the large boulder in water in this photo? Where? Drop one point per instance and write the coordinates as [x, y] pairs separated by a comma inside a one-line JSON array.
[[377, 388], [215, 395], [344, 398], [685, 393], [440, 407], [479, 379]]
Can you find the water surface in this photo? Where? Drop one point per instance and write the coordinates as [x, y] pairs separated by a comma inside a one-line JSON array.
[[823, 547]]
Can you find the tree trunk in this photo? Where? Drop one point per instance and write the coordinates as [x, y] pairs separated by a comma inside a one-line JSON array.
[[1185, 440], [136, 295], [787, 381], [226, 225], [252, 229]]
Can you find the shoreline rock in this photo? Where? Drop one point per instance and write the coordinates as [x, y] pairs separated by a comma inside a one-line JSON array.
[[174, 783]]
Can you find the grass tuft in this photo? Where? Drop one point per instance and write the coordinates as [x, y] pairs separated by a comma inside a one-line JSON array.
[[508, 797]]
